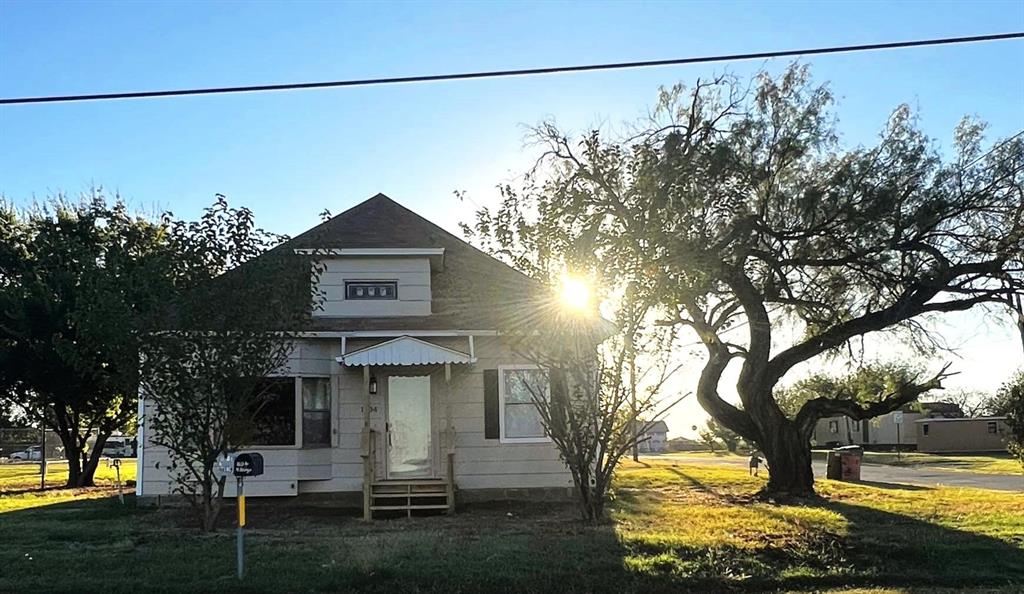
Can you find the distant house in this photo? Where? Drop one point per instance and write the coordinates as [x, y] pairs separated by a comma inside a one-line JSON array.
[[882, 431], [404, 392], [655, 439], [682, 444], [978, 434]]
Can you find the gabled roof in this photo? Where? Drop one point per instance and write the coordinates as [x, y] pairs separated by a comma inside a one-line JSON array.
[[463, 293], [658, 427], [404, 350]]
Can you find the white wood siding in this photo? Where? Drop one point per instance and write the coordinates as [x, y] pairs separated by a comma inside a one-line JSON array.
[[284, 466], [479, 463], [487, 463], [411, 274]]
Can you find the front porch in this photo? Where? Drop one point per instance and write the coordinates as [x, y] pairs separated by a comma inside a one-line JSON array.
[[410, 465]]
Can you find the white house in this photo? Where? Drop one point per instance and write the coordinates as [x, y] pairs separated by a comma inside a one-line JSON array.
[[655, 438], [402, 393]]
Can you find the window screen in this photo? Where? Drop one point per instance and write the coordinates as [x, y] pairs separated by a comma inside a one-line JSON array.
[[519, 387], [316, 411]]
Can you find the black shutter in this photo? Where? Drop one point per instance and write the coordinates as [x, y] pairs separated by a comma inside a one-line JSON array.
[[492, 430], [559, 387]]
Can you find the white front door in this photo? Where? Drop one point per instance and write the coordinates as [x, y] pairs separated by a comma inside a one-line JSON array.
[[409, 454]]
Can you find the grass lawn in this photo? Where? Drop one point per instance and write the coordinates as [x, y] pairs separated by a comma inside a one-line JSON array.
[[675, 527], [19, 484], [987, 463], [992, 463]]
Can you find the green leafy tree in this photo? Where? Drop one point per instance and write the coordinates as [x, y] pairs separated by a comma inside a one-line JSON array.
[[232, 323], [791, 398], [708, 438], [9, 415], [737, 204], [606, 373], [77, 282], [1002, 401], [719, 433], [1013, 407]]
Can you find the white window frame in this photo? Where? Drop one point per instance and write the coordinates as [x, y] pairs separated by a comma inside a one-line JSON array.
[[297, 444], [501, 408]]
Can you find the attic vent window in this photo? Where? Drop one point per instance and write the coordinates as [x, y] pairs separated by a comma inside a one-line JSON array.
[[371, 290]]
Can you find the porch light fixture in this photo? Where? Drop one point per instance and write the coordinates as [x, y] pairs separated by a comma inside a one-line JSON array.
[[373, 384]]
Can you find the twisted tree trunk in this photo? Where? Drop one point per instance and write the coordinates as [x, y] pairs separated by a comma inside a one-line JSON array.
[[788, 453]]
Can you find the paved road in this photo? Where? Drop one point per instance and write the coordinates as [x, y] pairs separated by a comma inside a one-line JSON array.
[[881, 473]]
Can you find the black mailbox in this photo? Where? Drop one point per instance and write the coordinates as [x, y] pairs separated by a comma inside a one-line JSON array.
[[249, 464]]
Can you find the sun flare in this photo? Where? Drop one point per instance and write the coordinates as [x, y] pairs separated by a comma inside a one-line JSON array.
[[576, 294]]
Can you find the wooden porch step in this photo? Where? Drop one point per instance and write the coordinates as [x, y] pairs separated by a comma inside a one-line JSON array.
[[407, 495], [410, 495], [403, 482], [406, 507]]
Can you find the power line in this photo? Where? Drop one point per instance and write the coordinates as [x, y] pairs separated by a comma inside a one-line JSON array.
[[506, 73]]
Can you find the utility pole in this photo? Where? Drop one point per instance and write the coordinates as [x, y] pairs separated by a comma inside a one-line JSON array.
[[632, 399], [42, 453], [631, 353]]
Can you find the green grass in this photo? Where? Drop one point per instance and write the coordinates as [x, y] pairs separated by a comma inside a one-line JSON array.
[[993, 463], [19, 484], [986, 463], [701, 454], [675, 527]]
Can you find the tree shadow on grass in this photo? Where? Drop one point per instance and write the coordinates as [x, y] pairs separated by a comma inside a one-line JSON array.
[[877, 548], [508, 548], [894, 486], [730, 498]]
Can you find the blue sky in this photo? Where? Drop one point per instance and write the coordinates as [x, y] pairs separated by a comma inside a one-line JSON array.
[[289, 156]]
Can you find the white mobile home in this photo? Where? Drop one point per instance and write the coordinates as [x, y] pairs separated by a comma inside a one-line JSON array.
[[402, 392], [882, 431], [971, 435]]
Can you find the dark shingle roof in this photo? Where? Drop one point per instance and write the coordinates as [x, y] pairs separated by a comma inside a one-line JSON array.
[[463, 292], [658, 427]]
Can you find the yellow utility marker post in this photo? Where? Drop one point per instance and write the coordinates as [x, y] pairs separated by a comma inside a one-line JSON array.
[[245, 465]]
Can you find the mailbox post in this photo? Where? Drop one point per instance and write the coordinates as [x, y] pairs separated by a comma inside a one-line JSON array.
[[245, 465]]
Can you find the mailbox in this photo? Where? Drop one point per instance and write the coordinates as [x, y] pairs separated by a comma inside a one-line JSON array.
[[248, 464]]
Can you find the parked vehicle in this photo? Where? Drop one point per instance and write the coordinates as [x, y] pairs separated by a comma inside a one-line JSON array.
[[119, 446], [29, 453]]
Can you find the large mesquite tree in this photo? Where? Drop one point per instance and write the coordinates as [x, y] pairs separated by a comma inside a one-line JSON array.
[[755, 226]]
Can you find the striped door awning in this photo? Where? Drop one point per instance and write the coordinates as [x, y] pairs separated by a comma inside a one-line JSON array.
[[404, 350]]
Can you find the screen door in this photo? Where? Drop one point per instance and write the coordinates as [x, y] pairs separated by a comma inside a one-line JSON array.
[[409, 427]]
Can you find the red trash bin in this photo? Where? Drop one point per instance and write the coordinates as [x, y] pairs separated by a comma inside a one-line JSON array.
[[845, 463]]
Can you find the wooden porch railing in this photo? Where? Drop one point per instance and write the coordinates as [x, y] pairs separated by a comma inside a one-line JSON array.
[[368, 451], [449, 458]]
